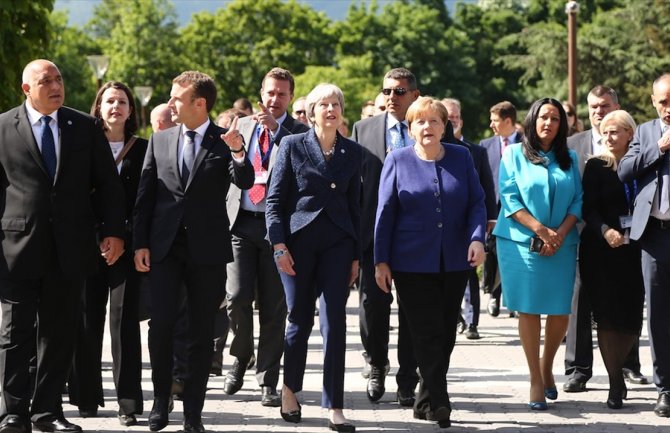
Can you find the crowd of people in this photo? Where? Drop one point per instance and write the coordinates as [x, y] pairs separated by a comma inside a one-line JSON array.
[[275, 210]]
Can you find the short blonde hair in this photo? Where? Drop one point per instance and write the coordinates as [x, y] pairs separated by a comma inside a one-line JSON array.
[[322, 91], [426, 104], [619, 118]]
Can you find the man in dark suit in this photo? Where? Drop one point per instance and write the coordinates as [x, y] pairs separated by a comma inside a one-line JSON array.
[[503, 118], [648, 162], [254, 269], [601, 101], [52, 157], [378, 135], [182, 237], [454, 134]]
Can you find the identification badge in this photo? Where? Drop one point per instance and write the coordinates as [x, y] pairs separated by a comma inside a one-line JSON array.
[[261, 177], [626, 221]]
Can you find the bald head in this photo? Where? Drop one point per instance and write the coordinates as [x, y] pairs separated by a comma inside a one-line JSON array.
[[661, 97], [161, 118], [43, 86]]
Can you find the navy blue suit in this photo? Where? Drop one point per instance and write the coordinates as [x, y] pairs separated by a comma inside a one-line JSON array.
[[313, 207], [642, 162]]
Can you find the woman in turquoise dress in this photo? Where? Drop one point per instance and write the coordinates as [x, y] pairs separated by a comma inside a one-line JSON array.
[[541, 201]]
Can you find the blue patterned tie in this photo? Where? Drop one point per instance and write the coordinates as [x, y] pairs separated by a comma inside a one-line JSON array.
[[48, 147], [397, 137], [188, 157]]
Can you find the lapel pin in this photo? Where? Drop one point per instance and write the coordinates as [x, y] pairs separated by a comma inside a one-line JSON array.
[[69, 122], [342, 150]]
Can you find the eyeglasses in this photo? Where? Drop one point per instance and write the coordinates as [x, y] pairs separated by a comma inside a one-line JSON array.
[[399, 91], [300, 112]]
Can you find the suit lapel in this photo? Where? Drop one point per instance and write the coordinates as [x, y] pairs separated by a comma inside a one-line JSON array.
[[380, 131], [25, 131], [173, 151], [313, 151], [207, 142]]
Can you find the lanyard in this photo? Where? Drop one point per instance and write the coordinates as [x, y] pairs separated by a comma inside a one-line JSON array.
[[630, 199], [264, 158]]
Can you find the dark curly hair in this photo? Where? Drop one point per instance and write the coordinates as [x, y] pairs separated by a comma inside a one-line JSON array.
[[531, 141], [131, 125]]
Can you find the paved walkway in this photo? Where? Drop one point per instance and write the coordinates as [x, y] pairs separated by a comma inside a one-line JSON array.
[[488, 385]]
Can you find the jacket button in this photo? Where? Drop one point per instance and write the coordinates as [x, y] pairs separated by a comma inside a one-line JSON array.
[[435, 180], [332, 185], [439, 225], [438, 209]]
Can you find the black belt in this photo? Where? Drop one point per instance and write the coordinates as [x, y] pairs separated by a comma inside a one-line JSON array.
[[661, 224], [252, 214]]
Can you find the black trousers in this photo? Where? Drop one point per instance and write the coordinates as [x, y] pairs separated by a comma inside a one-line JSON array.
[[52, 302], [205, 287], [120, 284], [579, 339], [374, 316], [432, 304], [254, 274]]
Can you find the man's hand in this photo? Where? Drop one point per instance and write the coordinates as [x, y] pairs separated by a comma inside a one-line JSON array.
[[111, 249], [233, 138], [664, 142], [142, 260], [265, 118]]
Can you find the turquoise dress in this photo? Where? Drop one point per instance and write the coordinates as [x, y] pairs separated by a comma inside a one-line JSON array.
[[532, 283]]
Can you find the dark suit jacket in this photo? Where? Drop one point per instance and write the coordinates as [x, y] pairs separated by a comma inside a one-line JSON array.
[[492, 147], [642, 162], [581, 144], [164, 206], [370, 133], [303, 185], [40, 218], [247, 127], [481, 162]]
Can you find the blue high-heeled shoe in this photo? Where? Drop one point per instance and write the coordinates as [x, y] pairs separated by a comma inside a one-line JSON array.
[[538, 405], [551, 393]]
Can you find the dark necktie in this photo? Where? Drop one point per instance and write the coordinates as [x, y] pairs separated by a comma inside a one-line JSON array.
[[188, 157], [48, 147], [257, 192]]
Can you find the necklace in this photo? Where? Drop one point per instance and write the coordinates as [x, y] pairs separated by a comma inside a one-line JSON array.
[[331, 151]]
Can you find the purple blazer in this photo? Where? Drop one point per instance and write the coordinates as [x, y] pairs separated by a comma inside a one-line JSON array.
[[428, 210]]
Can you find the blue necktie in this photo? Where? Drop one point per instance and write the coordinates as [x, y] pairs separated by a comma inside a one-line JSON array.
[[188, 156], [48, 147], [397, 137]]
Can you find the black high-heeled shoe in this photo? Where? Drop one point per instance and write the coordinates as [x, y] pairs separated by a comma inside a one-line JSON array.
[[294, 416], [615, 397], [344, 427]]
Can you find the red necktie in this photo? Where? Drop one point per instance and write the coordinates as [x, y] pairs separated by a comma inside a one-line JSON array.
[[505, 143], [257, 192]]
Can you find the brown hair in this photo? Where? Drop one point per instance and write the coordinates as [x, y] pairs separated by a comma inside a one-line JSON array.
[[203, 86], [130, 126], [282, 75]]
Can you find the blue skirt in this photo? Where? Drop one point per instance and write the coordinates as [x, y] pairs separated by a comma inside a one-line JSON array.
[[536, 284]]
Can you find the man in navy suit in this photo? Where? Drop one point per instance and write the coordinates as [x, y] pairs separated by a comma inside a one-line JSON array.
[[503, 118], [182, 237], [51, 157], [254, 270], [648, 162], [471, 299], [601, 101], [378, 135]]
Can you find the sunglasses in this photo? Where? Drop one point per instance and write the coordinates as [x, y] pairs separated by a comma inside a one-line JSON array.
[[399, 91]]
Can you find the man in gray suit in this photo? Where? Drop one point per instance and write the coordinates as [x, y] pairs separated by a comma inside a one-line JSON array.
[[648, 162], [601, 101], [379, 135], [254, 270]]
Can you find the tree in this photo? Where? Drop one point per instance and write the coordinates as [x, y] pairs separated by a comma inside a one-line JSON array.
[[238, 44], [70, 46], [140, 37], [24, 34]]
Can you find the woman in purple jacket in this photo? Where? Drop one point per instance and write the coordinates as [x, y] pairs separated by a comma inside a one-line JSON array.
[[429, 232]]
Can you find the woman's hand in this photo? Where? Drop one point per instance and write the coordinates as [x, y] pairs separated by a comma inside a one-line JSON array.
[[476, 253], [383, 276], [283, 260], [613, 238], [354, 273], [552, 240]]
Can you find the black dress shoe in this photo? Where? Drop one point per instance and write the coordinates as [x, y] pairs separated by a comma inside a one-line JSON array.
[[615, 397], [574, 385], [406, 397], [662, 407], [376, 389], [88, 412], [493, 307], [635, 377], [472, 333], [14, 424], [235, 377], [193, 427], [344, 427], [442, 415], [366, 370], [269, 397], [294, 416], [158, 417], [56, 424], [215, 371], [127, 420]]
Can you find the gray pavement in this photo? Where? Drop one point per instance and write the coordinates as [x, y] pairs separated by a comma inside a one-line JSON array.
[[488, 384]]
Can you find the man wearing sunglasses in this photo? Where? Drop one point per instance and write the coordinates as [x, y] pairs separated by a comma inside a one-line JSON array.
[[379, 135]]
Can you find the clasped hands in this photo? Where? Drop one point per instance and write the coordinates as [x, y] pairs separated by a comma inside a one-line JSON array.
[[111, 248], [552, 239], [613, 238]]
